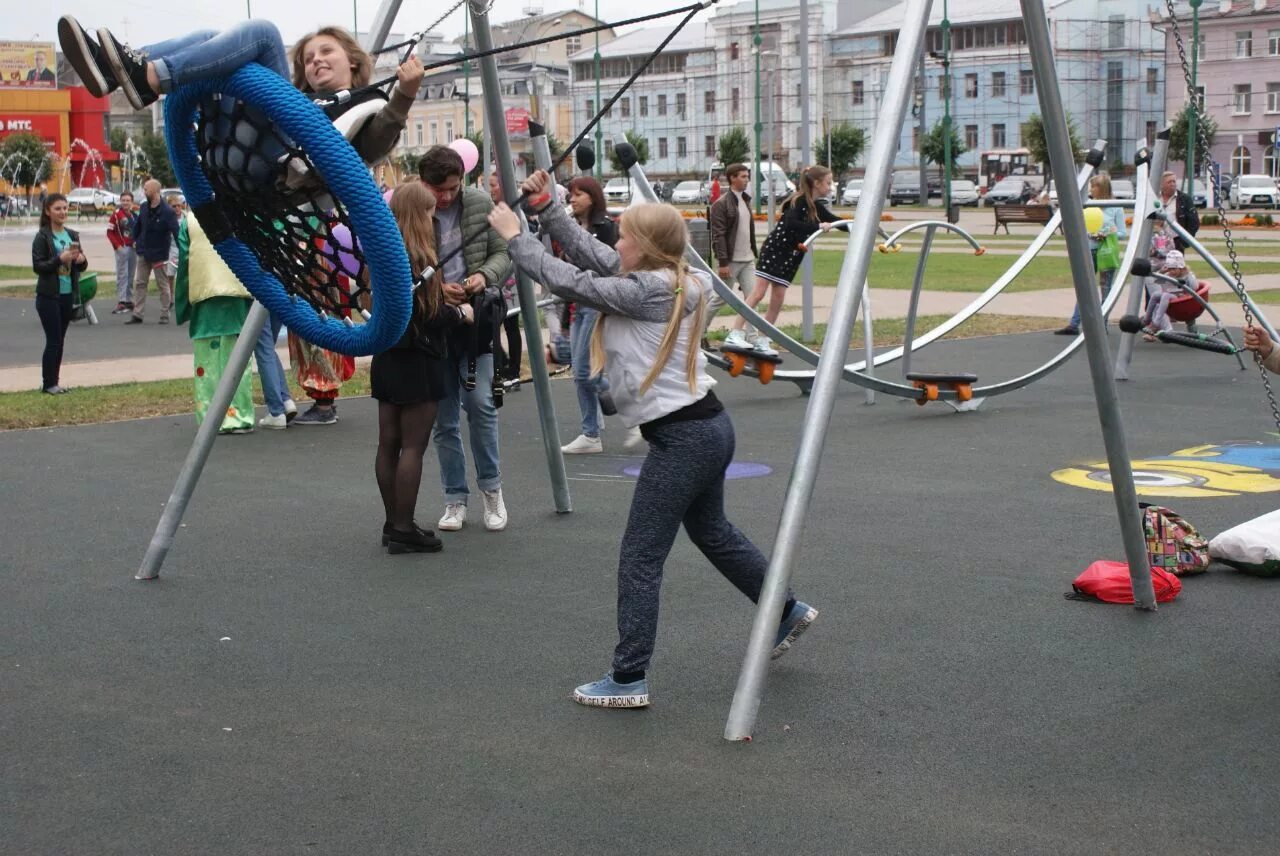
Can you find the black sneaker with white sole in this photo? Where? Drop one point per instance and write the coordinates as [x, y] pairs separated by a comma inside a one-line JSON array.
[[130, 69], [86, 57]]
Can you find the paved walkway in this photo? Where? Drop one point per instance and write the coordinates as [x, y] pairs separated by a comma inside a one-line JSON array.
[[175, 361]]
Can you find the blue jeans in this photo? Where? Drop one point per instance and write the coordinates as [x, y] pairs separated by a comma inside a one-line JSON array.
[[1075, 313], [275, 389], [589, 388], [209, 53], [482, 423]]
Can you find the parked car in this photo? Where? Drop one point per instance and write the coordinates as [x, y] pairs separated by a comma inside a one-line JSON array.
[[1199, 194], [1010, 191], [619, 190], [1254, 191], [905, 188], [964, 192], [95, 196], [1122, 188], [852, 191], [688, 193]]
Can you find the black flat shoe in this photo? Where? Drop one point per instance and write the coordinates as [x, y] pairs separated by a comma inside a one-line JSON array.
[[415, 541], [387, 529]]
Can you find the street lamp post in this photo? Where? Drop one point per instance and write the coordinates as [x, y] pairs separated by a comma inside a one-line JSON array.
[[599, 104], [466, 73], [757, 41], [946, 113], [1195, 101]]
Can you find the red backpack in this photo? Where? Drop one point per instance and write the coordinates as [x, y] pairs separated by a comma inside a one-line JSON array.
[[1109, 582]]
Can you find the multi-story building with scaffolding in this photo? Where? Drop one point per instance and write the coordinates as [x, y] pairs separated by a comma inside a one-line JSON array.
[[1110, 64], [673, 104]]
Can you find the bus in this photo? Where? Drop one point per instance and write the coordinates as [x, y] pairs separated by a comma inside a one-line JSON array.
[[996, 164]]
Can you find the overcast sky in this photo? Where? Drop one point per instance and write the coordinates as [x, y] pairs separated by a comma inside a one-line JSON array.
[[141, 22]]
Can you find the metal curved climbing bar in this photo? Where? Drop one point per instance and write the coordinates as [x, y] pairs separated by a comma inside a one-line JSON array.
[[1221, 271]]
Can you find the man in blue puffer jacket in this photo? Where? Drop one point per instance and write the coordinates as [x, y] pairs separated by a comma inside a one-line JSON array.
[[156, 231]]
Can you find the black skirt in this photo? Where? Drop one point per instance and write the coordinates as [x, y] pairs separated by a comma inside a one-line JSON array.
[[407, 376], [779, 258]]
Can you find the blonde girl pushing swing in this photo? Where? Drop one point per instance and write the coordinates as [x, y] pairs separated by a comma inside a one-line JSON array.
[[651, 316]]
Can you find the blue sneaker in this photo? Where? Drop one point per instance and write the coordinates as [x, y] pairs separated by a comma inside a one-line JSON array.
[[608, 693], [796, 622]]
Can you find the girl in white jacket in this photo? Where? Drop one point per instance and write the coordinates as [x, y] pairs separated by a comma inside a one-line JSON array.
[[652, 308]]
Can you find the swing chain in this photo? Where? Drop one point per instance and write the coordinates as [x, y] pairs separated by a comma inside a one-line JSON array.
[[1202, 141]]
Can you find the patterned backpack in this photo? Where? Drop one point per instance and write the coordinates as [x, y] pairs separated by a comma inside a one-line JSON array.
[[1173, 544]]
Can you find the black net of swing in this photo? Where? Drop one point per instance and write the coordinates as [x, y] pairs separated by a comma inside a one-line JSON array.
[[277, 203]]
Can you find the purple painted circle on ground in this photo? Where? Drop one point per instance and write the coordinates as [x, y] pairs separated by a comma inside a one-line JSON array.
[[737, 470]]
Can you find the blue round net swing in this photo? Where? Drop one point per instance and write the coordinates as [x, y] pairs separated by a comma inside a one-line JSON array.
[[291, 208]]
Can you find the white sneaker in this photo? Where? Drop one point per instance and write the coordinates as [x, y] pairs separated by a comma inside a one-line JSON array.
[[583, 445], [455, 514], [495, 511], [634, 438], [736, 339], [277, 422], [290, 410], [762, 346]]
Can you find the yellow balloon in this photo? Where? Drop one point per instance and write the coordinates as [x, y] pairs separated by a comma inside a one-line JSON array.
[[1092, 220]]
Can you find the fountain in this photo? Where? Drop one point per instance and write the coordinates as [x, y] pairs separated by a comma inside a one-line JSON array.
[[92, 163]]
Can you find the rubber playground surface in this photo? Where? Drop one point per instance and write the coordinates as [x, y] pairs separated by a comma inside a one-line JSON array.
[[286, 687]]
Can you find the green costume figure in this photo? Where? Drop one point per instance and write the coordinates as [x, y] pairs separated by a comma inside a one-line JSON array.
[[208, 295]]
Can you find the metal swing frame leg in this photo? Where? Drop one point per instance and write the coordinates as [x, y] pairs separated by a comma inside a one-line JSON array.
[[495, 118], [198, 455], [898, 89]]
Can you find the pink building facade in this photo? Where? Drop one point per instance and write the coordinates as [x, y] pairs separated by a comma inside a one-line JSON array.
[[1238, 78]]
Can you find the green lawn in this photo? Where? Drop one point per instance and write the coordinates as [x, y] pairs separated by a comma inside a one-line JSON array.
[[967, 272], [889, 331], [122, 401]]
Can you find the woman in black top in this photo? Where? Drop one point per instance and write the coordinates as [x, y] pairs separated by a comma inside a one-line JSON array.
[[57, 258], [587, 205], [408, 379], [780, 257]]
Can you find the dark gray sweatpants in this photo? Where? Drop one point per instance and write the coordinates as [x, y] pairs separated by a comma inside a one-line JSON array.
[[681, 481]]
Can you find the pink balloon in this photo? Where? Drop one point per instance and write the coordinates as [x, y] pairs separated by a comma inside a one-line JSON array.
[[342, 242], [468, 151]]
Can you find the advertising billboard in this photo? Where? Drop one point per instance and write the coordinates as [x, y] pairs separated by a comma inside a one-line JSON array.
[[28, 65]]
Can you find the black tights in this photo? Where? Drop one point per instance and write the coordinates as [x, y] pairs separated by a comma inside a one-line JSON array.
[[403, 431]]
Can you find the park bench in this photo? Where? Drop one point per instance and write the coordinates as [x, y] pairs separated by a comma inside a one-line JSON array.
[[1006, 214]]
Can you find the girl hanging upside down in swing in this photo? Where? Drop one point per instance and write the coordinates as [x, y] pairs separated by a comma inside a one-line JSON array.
[[325, 62], [651, 309]]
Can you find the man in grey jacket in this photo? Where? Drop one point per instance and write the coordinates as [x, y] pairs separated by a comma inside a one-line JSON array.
[[461, 220]]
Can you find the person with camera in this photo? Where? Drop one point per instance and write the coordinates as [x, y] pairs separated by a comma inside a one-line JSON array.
[[57, 259], [471, 275]]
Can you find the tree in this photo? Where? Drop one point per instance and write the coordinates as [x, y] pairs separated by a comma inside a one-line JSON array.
[[477, 139], [641, 146], [733, 147], [119, 139], [1034, 141], [847, 145], [933, 148], [1178, 137], [27, 159], [408, 162], [157, 156], [555, 146]]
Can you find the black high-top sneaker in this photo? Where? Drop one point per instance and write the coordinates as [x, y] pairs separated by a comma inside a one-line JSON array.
[[130, 68], [86, 57]]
